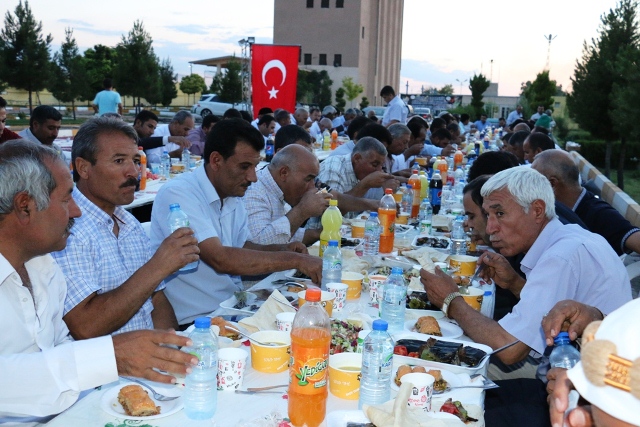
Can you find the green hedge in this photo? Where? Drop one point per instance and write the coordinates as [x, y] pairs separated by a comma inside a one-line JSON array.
[[594, 150]]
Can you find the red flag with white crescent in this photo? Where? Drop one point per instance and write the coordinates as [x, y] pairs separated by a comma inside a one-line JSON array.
[[274, 76]]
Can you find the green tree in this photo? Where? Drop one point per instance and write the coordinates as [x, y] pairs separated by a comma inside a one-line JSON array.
[[216, 84], [351, 89], [539, 92], [99, 61], [168, 80], [478, 84], [590, 103], [364, 103], [446, 90], [340, 101], [69, 78], [192, 84], [137, 71], [231, 83], [314, 87], [24, 52]]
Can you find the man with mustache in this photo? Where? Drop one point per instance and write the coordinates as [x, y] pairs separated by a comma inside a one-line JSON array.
[[43, 370], [114, 279], [212, 198]]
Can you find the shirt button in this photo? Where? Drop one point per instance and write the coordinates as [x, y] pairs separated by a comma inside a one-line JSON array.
[[24, 300]]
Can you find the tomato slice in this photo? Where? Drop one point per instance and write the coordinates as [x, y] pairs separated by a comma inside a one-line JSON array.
[[400, 350], [413, 354]]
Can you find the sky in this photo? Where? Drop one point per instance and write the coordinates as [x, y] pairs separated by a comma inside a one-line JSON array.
[[442, 42]]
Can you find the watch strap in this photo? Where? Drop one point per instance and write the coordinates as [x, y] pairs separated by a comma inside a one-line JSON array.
[[447, 302]]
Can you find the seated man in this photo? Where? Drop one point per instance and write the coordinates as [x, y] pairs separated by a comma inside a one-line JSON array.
[[516, 143], [353, 132], [440, 143], [402, 162], [356, 173], [400, 137], [301, 117], [180, 125], [44, 125], [535, 144], [598, 216], [145, 124], [482, 124], [211, 197], [561, 262], [198, 136], [282, 118], [114, 279], [266, 126], [284, 198], [43, 370]]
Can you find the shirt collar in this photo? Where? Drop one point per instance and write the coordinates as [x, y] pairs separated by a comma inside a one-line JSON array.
[[265, 177], [582, 194], [89, 209], [540, 245]]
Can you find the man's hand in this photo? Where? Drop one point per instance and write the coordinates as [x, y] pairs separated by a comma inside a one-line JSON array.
[[297, 247], [437, 285], [177, 250], [138, 353], [558, 388], [570, 316], [379, 178], [446, 150], [312, 267], [413, 150], [500, 271], [313, 203], [182, 141]]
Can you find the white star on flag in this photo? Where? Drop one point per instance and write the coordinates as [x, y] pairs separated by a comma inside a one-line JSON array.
[[273, 92]]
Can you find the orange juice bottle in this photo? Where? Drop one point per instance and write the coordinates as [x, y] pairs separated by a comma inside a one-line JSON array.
[[457, 159], [309, 367], [334, 139], [387, 216], [143, 169], [416, 185]]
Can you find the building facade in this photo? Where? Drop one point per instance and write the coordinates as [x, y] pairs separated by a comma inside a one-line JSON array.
[[361, 39]]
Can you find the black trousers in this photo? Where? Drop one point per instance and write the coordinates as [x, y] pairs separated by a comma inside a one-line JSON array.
[[517, 403]]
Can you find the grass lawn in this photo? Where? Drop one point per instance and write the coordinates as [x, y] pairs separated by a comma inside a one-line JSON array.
[[631, 183]]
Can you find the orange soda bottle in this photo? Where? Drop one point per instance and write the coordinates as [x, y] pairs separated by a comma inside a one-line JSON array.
[[387, 215], [443, 167], [334, 139], [416, 185], [143, 169], [309, 366], [457, 159]]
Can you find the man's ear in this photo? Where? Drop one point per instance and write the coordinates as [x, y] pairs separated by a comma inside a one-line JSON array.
[[539, 208], [23, 206], [215, 160], [82, 166]]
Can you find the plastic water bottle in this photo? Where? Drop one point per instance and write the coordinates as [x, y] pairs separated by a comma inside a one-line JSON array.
[[177, 219], [458, 237], [377, 361], [564, 355], [186, 159], [458, 175], [394, 300], [165, 164], [331, 264], [407, 200], [200, 393], [372, 234], [425, 216]]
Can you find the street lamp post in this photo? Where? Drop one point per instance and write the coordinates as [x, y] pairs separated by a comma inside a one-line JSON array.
[[461, 83], [245, 44]]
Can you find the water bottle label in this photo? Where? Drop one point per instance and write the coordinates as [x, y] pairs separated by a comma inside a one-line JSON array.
[[335, 265]]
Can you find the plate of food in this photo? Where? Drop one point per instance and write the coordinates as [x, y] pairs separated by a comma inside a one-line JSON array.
[[422, 241], [443, 378], [344, 336], [131, 401], [429, 325], [296, 276], [242, 302], [418, 304]]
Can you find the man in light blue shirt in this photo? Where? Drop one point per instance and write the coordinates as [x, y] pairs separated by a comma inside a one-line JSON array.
[[396, 111], [107, 100], [482, 123], [514, 115]]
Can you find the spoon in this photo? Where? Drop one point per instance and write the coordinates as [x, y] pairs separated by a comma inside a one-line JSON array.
[[499, 349], [249, 338], [464, 289]]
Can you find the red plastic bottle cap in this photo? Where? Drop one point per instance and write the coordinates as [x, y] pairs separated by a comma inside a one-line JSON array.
[[313, 295], [388, 191]]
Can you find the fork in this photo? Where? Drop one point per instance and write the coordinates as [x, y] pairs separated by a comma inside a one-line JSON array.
[[159, 397]]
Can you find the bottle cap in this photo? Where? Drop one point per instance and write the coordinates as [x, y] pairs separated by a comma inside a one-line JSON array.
[[380, 325], [174, 206], [203, 322], [388, 191], [409, 186], [333, 243], [396, 270], [374, 214], [562, 336], [333, 202], [414, 171], [314, 294]]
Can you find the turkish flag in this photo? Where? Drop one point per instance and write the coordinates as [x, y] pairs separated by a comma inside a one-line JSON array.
[[274, 76]]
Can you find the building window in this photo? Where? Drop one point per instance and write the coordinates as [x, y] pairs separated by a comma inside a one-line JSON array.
[[322, 59], [339, 4], [309, 4], [307, 59], [337, 60], [324, 4]]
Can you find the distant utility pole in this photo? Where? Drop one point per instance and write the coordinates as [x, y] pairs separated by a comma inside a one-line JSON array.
[[549, 38], [407, 91]]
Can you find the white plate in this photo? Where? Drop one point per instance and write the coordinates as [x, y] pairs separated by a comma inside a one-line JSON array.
[[454, 380], [436, 314], [111, 406], [231, 302], [341, 418], [414, 243], [289, 276], [449, 330]]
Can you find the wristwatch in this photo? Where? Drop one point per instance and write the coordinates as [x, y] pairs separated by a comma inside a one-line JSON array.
[[447, 302]]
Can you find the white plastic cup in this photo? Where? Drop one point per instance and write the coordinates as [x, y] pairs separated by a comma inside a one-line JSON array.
[[422, 390], [231, 366], [376, 282], [340, 291], [284, 321]]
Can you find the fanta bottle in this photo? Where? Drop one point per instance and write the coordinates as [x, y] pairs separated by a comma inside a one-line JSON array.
[[442, 168], [416, 185], [387, 215], [457, 159], [334, 139], [309, 367], [331, 223]]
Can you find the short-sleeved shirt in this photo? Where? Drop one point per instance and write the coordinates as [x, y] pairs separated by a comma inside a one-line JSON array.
[[565, 262], [96, 260], [107, 101], [153, 154], [199, 292], [337, 172], [197, 138], [266, 210], [396, 110]]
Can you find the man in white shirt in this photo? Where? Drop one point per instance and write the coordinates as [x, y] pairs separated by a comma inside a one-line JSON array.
[[43, 370], [538, 114], [180, 126], [396, 111]]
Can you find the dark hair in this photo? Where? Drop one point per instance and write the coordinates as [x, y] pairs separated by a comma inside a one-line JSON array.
[[519, 137], [232, 113], [107, 83], [225, 135], [464, 117], [313, 110], [246, 116], [210, 119], [290, 134], [144, 116], [416, 125], [474, 187], [448, 118], [42, 113], [441, 134], [540, 129], [281, 115], [376, 131], [265, 110], [541, 141], [452, 127], [438, 123], [356, 124], [3, 103], [492, 162], [387, 90], [506, 137], [266, 119]]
